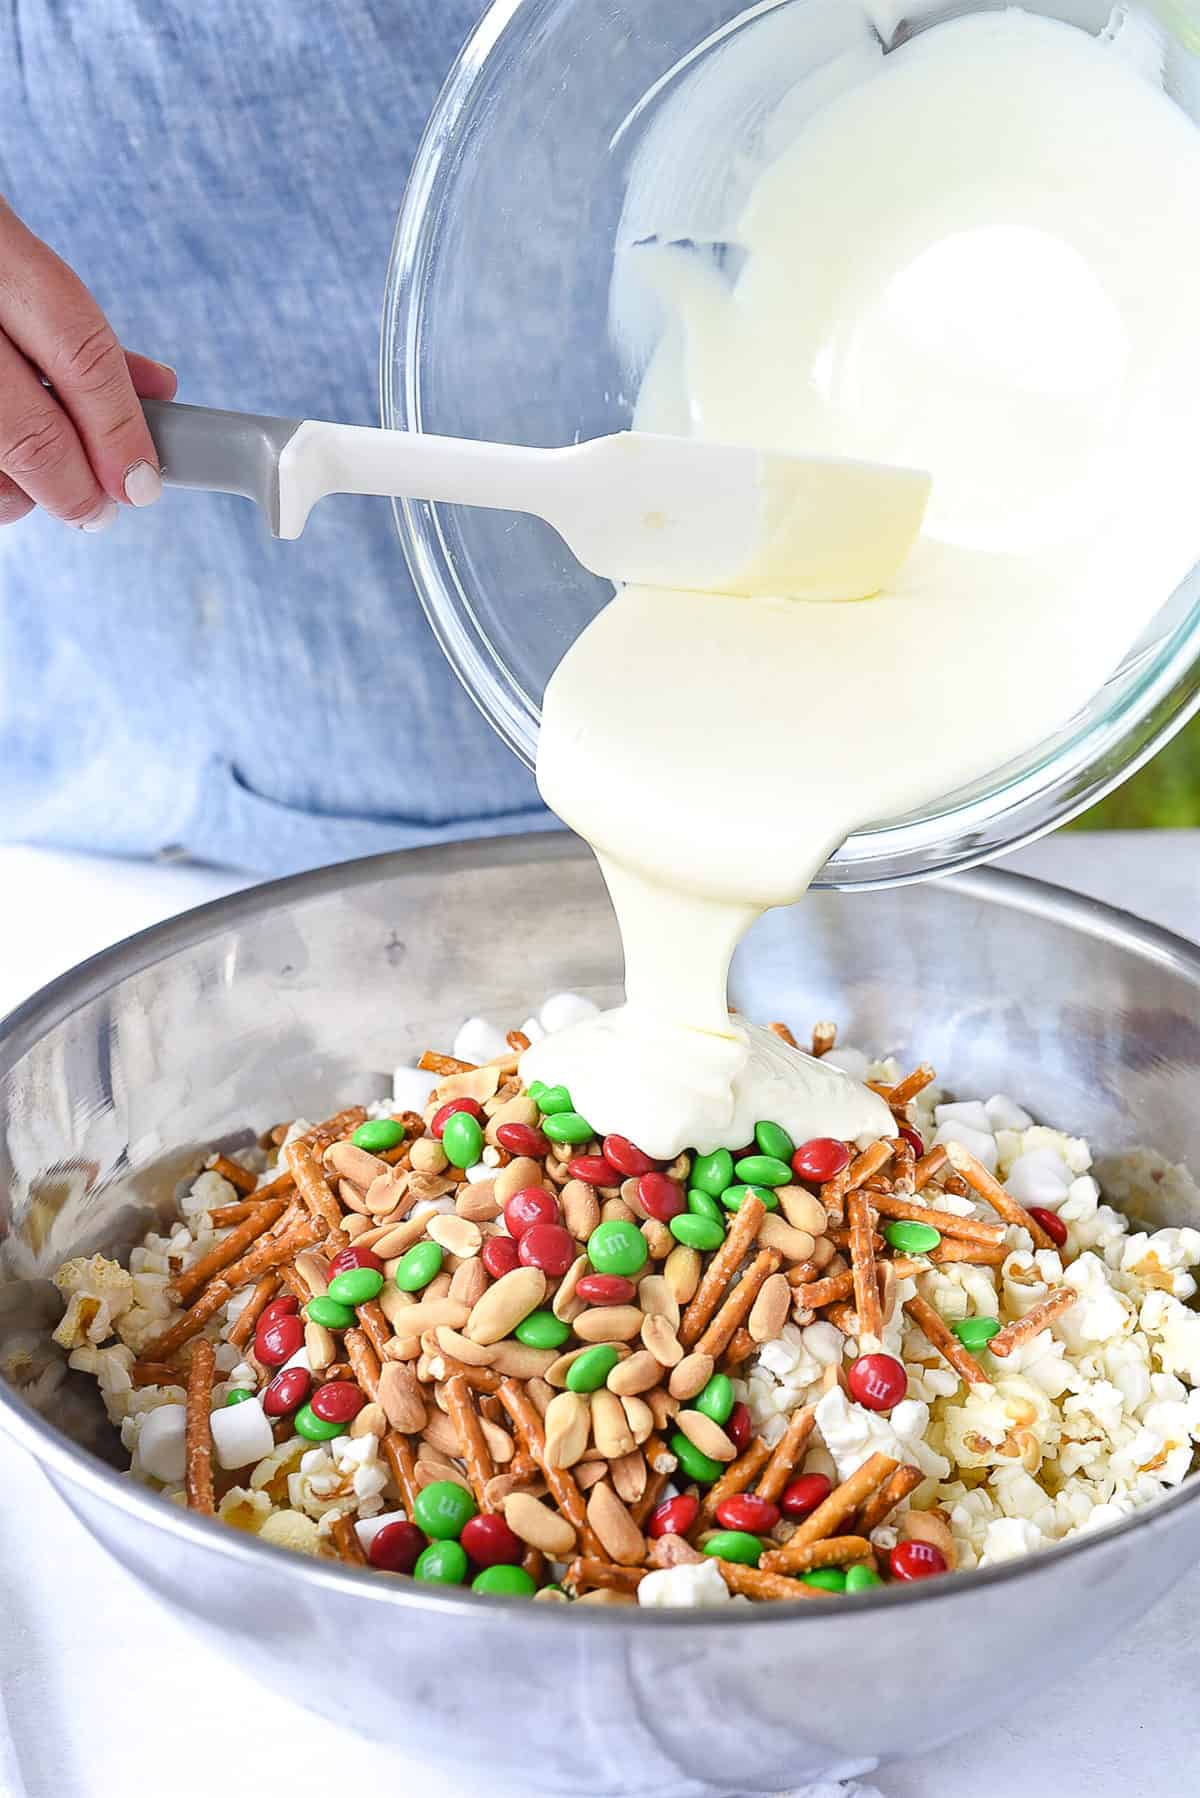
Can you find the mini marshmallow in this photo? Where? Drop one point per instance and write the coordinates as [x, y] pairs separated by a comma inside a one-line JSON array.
[[411, 1088], [1005, 1114], [966, 1111], [478, 1041], [561, 1010], [1039, 1177], [694, 1586], [981, 1143], [533, 1030], [162, 1443], [241, 1434]]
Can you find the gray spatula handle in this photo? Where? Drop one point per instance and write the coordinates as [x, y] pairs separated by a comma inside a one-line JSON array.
[[221, 452]]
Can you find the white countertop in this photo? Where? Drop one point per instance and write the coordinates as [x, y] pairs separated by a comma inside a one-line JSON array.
[[80, 1694]]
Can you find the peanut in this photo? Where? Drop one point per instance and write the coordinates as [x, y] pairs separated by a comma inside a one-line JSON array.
[[503, 1305], [568, 1426], [802, 1209], [400, 1396], [660, 1338], [610, 1427], [657, 1300], [776, 1233], [681, 1271], [769, 1312], [580, 1208], [691, 1376], [706, 1435], [457, 1235], [638, 1374], [476, 1201], [619, 1535], [639, 1417], [608, 1323], [520, 1173], [470, 1282], [428, 1156], [538, 1525]]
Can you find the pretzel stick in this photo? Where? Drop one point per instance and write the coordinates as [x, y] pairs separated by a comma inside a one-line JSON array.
[[1025, 1328], [831, 1551], [828, 1517], [784, 1034], [473, 1449], [363, 1360], [819, 1293], [899, 1095], [833, 1193], [895, 1488], [479, 1379], [156, 1373], [738, 1304], [741, 1346], [239, 1177], [866, 1280], [929, 1166], [198, 1433], [971, 1229], [824, 1038], [225, 1216], [563, 1490], [989, 1188], [721, 1269], [904, 1160], [587, 1571], [739, 1475], [843, 1317], [194, 1278], [802, 1273], [375, 1326], [433, 1063], [162, 1347], [946, 1343], [398, 1452], [974, 1254], [755, 1582], [654, 1450], [312, 1185], [346, 1541], [786, 1453], [242, 1328]]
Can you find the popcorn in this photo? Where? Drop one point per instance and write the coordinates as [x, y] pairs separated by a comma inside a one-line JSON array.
[[1101, 1314], [853, 1434], [244, 1510], [1008, 1539], [98, 1293], [981, 1143], [1159, 1260], [1004, 1114], [561, 1010], [291, 1529]]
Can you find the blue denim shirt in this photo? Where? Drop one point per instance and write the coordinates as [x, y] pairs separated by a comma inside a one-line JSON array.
[[226, 179]]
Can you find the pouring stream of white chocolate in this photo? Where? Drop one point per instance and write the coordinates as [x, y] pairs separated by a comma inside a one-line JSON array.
[[983, 260]]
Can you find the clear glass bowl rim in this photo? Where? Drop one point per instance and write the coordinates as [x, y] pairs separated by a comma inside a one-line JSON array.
[[1046, 789]]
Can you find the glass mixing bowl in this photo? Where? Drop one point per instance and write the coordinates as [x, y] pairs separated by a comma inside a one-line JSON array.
[[497, 325]]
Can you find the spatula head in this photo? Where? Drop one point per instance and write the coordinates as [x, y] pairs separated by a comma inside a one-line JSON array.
[[675, 512]]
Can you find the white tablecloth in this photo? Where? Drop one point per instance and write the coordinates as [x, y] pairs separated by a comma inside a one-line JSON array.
[[104, 1690]]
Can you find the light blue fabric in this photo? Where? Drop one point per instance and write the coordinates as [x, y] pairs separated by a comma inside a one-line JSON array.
[[226, 178]]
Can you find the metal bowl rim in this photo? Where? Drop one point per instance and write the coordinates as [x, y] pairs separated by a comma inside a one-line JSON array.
[[30, 1021]]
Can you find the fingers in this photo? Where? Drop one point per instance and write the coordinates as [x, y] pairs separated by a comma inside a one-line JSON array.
[[40, 449], [151, 380], [48, 315], [13, 503]]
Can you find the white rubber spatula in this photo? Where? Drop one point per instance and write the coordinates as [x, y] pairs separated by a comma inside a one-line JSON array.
[[660, 511]]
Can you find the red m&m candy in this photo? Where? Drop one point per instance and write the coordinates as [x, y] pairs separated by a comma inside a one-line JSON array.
[[605, 1289], [674, 1517], [661, 1198], [278, 1341], [628, 1160], [441, 1118], [533, 1205], [352, 1257], [549, 1247], [877, 1381], [594, 1169], [916, 1560], [739, 1427], [746, 1511], [287, 1306], [1051, 1223], [338, 1401], [820, 1159], [490, 1543], [397, 1547], [499, 1256], [803, 1495], [287, 1392], [522, 1139]]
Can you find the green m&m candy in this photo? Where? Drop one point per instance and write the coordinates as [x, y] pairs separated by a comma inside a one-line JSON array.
[[697, 1232], [237, 1395], [327, 1312], [697, 1466], [773, 1140], [442, 1563], [702, 1204], [976, 1332], [588, 1372], [911, 1238], [505, 1582], [735, 1545], [713, 1173], [826, 1579], [542, 1330], [418, 1266], [462, 1139], [442, 1509], [617, 1247], [315, 1428], [535, 1089], [356, 1286], [716, 1400], [551, 1100], [568, 1127], [734, 1197], [763, 1170], [861, 1578], [378, 1135]]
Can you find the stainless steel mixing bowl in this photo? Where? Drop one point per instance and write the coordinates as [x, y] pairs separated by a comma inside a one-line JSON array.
[[298, 996]]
